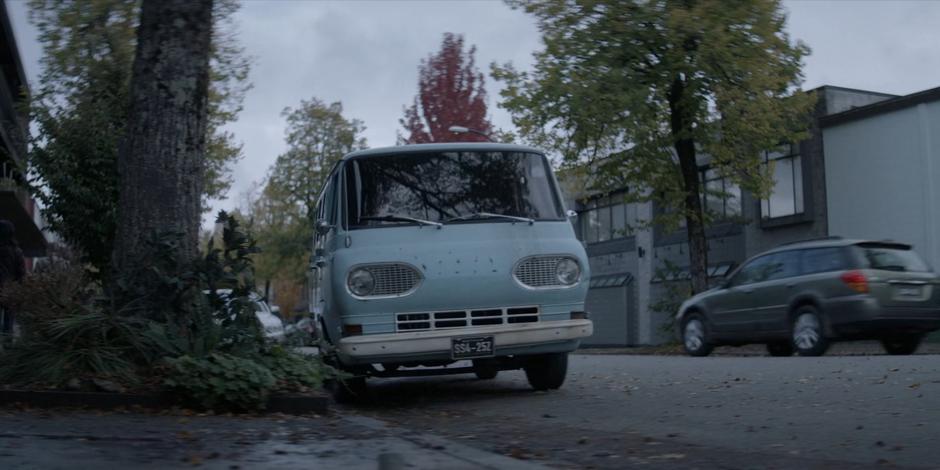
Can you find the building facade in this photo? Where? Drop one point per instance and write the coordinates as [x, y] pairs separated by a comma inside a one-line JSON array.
[[635, 266], [15, 203]]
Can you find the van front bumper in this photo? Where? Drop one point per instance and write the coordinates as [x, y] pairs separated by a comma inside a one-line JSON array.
[[435, 345]]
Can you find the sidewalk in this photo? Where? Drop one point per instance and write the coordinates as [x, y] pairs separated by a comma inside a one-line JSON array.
[[75, 440]]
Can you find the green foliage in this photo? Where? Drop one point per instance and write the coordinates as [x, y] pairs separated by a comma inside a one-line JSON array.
[[294, 372], [201, 306], [633, 90], [198, 328], [220, 381], [675, 290], [605, 85], [80, 107], [281, 214], [68, 330]]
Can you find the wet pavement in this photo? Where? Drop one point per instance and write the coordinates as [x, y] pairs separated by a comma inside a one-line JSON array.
[[94, 440], [868, 411], [737, 411]]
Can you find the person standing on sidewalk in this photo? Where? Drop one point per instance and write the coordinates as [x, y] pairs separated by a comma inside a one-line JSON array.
[[12, 269]]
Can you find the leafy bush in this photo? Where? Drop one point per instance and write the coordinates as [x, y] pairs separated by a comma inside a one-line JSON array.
[[68, 330], [220, 381], [210, 348], [294, 372], [676, 288]]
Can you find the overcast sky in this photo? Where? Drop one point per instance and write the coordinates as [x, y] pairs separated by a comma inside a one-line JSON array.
[[366, 54]]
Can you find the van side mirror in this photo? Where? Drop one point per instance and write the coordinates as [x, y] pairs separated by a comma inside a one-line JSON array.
[[571, 214], [323, 227]]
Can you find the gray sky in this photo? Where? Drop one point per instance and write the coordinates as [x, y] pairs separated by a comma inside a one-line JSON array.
[[366, 54]]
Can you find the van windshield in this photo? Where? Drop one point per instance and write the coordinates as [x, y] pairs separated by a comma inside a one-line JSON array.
[[446, 186]]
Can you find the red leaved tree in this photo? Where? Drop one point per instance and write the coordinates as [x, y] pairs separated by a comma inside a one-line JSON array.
[[450, 93]]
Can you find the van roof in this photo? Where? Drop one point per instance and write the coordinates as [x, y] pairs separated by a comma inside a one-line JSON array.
[[445, 147]]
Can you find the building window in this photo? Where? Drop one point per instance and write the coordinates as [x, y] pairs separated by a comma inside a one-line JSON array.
[[786, 197], [607, 218], [721, 198]]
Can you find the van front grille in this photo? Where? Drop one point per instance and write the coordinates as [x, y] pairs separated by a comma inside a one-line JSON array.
[[393, 279], [465, 318], [538, 271]]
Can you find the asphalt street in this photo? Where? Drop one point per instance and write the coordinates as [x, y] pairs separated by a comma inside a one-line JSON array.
[[674, 411]]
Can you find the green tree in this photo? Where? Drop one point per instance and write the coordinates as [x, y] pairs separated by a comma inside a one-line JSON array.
[[656, 84], [282, 213], [80, 113]]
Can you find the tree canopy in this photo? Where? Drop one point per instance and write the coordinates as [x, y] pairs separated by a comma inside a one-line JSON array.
[[281, 211], [450, 93], [656, 88], [80, 110]]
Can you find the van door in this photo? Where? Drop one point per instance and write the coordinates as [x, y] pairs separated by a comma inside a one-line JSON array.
[[322, 256]]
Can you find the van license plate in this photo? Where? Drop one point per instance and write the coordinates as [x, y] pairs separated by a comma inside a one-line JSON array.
[[466, 348]]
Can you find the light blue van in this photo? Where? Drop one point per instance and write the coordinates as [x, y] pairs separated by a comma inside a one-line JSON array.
[[428, 255]]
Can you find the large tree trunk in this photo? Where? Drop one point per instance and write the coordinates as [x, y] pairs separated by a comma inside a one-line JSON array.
[[681, 124], [160, 162]]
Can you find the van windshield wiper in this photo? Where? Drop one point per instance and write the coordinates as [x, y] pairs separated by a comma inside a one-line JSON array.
[[490, 215], [401, 218]]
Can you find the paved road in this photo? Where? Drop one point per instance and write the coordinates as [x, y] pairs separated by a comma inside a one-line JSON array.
[[673, 411]]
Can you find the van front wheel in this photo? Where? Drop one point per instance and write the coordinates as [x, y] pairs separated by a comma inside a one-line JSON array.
[[547, 371]]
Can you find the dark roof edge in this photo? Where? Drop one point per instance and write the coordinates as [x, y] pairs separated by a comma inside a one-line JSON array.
[[853, 90], [7, 25], [881, 107]]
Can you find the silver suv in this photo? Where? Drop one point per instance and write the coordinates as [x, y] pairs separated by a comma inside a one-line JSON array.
[[800, 297]]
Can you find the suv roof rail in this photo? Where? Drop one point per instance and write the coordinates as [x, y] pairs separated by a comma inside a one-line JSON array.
[[832, 237]]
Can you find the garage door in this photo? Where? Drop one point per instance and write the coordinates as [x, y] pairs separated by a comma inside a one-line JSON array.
[[608, 302]]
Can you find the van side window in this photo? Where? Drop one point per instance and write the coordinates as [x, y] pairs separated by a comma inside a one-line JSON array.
[[821, 260], [332, 198]]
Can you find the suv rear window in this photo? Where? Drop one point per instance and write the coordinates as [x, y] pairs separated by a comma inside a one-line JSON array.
[[892, 258]]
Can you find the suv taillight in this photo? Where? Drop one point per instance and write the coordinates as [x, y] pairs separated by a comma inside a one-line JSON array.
[[856, 281]]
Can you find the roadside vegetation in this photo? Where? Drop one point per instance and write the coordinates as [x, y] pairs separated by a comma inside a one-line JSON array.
[[182, 337], [128, 146]]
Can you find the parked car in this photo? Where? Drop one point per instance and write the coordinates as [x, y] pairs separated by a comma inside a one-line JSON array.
[[302, 331], [425, 255], [802, 296], [271, 324]]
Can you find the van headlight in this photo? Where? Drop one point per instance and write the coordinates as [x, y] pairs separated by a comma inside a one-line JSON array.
[[567, 271], [360, 282]]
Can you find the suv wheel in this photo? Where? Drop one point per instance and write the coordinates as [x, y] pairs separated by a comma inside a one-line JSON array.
[[902, 345], [547, 371], [807, 334], [780, 349], [695, 336]]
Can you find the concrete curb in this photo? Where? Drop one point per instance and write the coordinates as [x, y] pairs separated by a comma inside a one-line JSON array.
[[455, 450], [280, 403]]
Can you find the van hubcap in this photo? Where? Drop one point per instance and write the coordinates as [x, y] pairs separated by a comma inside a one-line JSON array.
[[694, 335], [806, 331]]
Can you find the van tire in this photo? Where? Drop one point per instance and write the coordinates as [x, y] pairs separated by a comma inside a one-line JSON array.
[[547, 371], [347, 391], [486, 374], [902, 345], [485, 370], [807, 333]]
